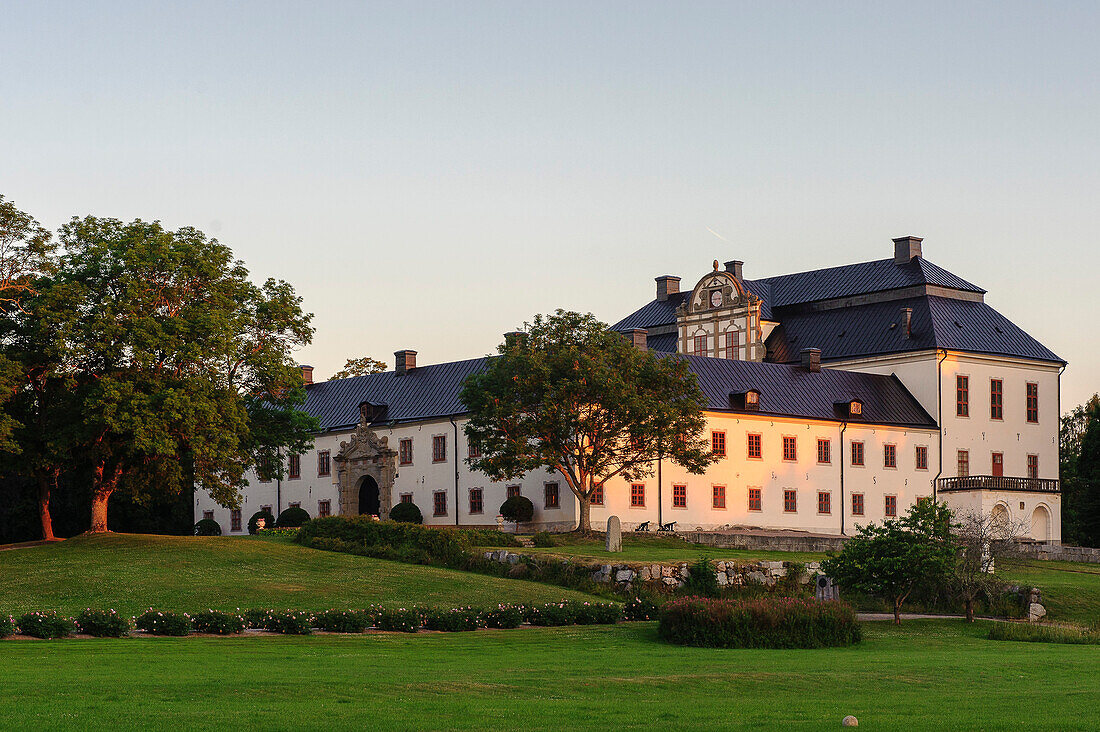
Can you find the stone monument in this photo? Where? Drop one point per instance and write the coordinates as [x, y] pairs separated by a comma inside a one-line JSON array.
[[614, 535]]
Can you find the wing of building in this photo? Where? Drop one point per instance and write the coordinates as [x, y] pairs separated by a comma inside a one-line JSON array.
[[836, 397]]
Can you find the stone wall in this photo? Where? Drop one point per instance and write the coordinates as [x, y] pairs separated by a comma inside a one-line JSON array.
[[787, 542], [1061, 552]]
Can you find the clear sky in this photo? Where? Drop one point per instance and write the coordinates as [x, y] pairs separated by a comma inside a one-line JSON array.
[[430, 175]]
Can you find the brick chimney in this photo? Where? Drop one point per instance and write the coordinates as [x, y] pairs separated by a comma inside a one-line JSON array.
[[638, 337], [307, 374], [811, 359], [905, 248], [406, 361], [514, 338], [907, 322], [734, 268], [667, 285]]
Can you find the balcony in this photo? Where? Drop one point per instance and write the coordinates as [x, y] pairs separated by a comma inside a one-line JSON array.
[[998, 483]]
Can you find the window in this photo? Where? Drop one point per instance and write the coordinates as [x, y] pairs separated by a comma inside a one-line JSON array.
[[405, 451], [824, 451], [1033, 466], [477, 504], [922, 457], [718, 443], [679, 496], [754, 499], [235, 519], [857, 453], [891, 505], [889, 456], [439, 503], [263, 470], [439, 448], [790, 501], [962, 396], [406, 498], [752, 400], [790, 448], [637, 495], [1032, 402], [294, 504], [718, 496], [996, 399], [550, 491], [857, 504], [597, 496], [207, 515], [964, 463], [732, 346], [755, 449], [699, 345], [324, 508], [474, 452], [324, 464], [511, 491], [294, 469], [824, 502]]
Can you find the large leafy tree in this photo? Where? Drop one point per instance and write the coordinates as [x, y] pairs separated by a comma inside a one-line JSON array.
[[892, 559], [178, 368], [573, 397], [1079, 471]]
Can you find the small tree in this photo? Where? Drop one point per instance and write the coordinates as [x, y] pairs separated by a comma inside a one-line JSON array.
[[573, 397], [891, 560], [980, 538]]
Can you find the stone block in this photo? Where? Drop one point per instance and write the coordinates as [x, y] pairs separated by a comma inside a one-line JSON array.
[[1035, 612], [723, 580], [644, 574], [758, 577], [624, 575], [614, 541]]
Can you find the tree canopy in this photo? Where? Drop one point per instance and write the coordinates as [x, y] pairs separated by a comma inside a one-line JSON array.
[[1079, 472], [360, 367]]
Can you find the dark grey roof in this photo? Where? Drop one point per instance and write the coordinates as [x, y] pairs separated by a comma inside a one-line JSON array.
[[791, 391], [664, 343], [938, 322], [432, 391]]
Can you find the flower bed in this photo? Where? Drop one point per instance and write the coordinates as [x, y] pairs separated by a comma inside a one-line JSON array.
[[758, 623]]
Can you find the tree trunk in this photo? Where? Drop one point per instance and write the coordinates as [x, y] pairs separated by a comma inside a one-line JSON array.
[[99, 511], [897, 611], [584, 524], [969, 602], [44, 507]]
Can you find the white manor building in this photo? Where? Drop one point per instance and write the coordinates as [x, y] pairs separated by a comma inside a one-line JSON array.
[[837, 397]]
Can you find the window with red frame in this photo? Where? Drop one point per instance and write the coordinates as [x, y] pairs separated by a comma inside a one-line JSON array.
[[790, 501], [439, 448], [235, 519], [208, 515], [790, 448], [718, 443], [963, 457], [473, 451], [294, 467], [718, 496], [824, 502], [732, 346], [679, 496], [637, 495], [889, 456], [857, 453], [550, 493], [699, 343], [439, 503], [996, 399], [1033, 466], [755, 446], [405, 451], [824, 451], [477, 505], [511, 491], [597, 496], [857, 504], [754, 499], [922, 457], [406, 498], [324, 508], [1032, 402], [324, 463], [891, 505], [962, 396]]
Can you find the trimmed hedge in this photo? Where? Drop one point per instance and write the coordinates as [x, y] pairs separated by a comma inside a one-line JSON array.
[[208, 527], [503, 616], [402, 620], [156, 622], [46, 625], [7, 626], [292, 517], [291, 622], [102, 623], [344, 621], [517, 509], [266, 515], [254, 618], [406, 513], [454, 620], [758, 623], [216, 622]]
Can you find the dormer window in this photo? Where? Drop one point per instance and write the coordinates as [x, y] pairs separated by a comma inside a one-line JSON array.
[[752, 399], [855, 408]]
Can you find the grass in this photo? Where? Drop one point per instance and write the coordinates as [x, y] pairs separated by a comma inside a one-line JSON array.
[[664, 549], [132, 572], [1043, 633], [1071, 590], [927, 675]]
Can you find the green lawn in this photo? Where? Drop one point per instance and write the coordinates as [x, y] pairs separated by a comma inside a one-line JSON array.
[[131, 572], [927, 675], [666, 549], [1071, 590]]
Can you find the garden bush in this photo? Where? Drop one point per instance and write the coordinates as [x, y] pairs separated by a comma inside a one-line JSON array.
[[46, 625], [157, 622], [503, 616], [595, 613], [758, 623], [208, 527], [292, 517], [1043, 634], [254, 618], [518, 509], [406, 513], [552, 614], [638, 608], [218, 623], [544, 539], [702, 580], [291, 622], [266, 515], [7, 626], [344, 621], [102, 623], [402, 619], [453, 620]]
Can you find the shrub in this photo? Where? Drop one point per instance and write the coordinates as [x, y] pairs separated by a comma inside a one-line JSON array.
[[402, 620], [255, 618], [394, 540], [218, 623], [758, 623], [640, 609], [208, 527], [551, 614], [292, 517], [265, 514], [518, 509], [291, 622], [7, 626], [344, 621], [102, 623], [406, 513], [702, 581], [453, 620], [45, 625], [157, 622], [594, 613], [503, 616], [1043, 634], [544, 539]]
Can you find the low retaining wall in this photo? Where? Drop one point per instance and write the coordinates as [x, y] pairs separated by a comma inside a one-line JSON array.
[[1061, 553], [770, 542]]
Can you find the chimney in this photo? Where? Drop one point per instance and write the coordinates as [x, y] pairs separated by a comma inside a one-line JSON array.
[[406, 361], [307, 374], [905, 248], [667, 285], [907, 322], [513, 338], [734, 268], [638, 337], [811, 359]]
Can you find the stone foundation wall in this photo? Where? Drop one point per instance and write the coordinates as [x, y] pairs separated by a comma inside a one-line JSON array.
[[1061, 553], [758, 542]]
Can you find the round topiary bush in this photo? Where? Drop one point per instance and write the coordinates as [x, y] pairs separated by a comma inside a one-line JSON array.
[[103, 623], [265, 514], [406, 513], [208, 527], [292, 518], [518, 509]]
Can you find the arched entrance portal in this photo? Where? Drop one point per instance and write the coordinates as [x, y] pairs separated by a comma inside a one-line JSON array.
[[369, 503], [1040, 524]]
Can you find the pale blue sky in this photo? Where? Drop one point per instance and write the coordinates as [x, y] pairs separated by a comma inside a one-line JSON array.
[[429, 175]]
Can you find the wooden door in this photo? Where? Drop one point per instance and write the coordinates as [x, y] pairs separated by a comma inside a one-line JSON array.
[[998, 464]]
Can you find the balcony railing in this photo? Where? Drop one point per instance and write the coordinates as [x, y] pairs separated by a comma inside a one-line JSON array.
[[998, 483]]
